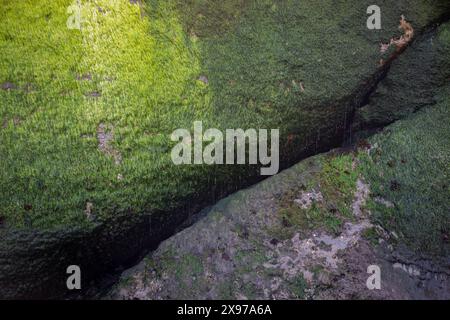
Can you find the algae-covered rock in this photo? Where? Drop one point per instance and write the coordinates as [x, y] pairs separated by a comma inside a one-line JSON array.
[[412, 82], [87, 110], [273, 241], [269, 242]]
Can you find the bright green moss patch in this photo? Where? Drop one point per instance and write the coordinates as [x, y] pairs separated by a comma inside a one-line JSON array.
[[111, 72], [338, 182]]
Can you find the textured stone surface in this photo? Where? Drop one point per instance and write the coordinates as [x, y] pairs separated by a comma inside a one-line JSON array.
[[305, 77]]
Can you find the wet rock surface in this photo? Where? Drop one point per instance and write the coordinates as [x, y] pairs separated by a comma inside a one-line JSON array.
[[239, 238]]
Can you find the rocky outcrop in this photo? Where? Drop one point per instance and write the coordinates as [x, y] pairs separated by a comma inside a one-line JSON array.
[[313, 232], [275, 241], [411, 83], [307, 78]]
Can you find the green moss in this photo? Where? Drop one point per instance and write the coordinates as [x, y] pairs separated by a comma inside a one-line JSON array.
[[411, 83], [338, 182], [51, 160], [295, 219], [250, 291], [409, 168], [298, 287], [226, 290], [136, 68], [371, 235]]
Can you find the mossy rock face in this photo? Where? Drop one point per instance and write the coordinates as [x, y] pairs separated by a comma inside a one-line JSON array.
[[250, 246], [412, 82], [408, 171], [86, 115], [408, 167], [33, 264]]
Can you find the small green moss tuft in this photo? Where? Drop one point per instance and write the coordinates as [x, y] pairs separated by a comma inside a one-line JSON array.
[[298, 287]]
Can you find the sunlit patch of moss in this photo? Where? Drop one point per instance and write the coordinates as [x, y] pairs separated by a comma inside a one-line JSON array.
[[130, 71]]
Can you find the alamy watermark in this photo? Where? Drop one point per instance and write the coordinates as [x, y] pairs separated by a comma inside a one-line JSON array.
[[374, 20], [74, 11], [191, 150], [74, 21], [374, 281], [74, 280]]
